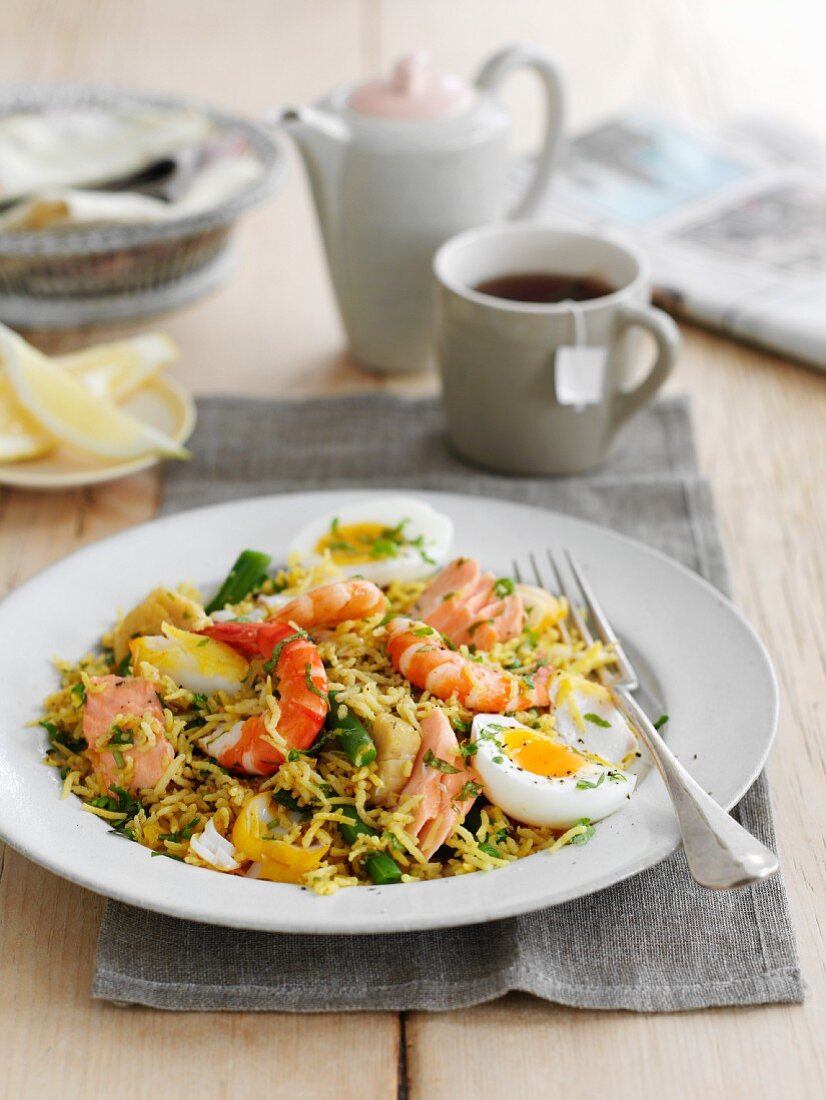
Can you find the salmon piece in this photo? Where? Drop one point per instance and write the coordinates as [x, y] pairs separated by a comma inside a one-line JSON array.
[[122, 696], [439, 812], [462, 604], [456, 575]]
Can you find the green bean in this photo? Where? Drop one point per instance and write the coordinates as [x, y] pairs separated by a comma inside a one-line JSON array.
[[382, 869], [352, 734], [249, 572], [351, 832]]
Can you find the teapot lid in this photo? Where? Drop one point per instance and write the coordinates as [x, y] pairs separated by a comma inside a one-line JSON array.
[[414, 90]]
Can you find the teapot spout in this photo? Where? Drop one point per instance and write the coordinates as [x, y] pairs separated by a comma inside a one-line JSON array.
[[322, 139]]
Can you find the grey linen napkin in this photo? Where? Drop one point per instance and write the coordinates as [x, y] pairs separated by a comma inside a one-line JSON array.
[[656, 942]]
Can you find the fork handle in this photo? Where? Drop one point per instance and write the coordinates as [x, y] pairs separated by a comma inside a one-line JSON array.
[[721, 854]]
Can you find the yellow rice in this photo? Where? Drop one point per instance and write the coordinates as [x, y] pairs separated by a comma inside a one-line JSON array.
[[195, 789]]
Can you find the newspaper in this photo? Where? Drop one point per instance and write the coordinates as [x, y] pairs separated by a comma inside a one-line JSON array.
[[734, 223]]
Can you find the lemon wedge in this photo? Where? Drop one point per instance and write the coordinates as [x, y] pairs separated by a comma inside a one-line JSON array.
[[118, 369], [21, 437], [66, 411]]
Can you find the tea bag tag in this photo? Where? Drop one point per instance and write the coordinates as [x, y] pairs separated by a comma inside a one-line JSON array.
[[579, 371]]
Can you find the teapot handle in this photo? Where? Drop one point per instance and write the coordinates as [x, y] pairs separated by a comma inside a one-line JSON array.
[[491, 75]]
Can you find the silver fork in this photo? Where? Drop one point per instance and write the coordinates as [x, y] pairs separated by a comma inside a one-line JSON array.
[[721, 854]]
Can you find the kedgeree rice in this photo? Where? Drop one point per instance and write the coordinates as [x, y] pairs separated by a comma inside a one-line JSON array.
[[315, 727]]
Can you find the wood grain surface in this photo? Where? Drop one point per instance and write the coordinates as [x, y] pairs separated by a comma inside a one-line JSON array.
[[761, 427]]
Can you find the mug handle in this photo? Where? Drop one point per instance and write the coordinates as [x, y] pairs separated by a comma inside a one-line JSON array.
[[667, 336], [491, 75]]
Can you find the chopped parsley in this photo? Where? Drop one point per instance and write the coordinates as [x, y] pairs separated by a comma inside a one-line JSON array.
[[199, 700], [61, 737], [470, 790], [587, 785], [119, 736], [384, 548], [418, 544], [504, 587], [308, 680], [275, 656], [124, 665], [423, 631], [661, 721], [118, 801], [182, 834], [583, 838], [291, 803], [595, 720], [489, 850], [78, 694], [431, 761]]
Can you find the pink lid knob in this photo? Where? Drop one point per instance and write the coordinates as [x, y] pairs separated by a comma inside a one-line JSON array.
[[415, 90]]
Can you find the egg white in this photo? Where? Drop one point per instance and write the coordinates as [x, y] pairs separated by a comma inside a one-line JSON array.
[[434, 527], [614, 742], [537, 799]]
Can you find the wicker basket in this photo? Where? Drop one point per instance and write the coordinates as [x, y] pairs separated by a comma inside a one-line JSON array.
[[68, 277]]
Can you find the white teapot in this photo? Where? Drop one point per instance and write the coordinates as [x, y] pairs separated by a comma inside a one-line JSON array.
[[396, 167]]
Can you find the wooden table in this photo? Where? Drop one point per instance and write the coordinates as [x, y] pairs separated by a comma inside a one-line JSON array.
[[760, 424]]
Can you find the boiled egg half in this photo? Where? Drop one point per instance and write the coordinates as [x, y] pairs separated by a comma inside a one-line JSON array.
[[382, 539], [540, 781]]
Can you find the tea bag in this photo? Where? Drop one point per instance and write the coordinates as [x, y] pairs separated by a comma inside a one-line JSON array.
[[579, 370]]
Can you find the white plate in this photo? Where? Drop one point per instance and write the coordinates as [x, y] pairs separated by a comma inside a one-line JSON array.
[[711, 671], [161, 402]]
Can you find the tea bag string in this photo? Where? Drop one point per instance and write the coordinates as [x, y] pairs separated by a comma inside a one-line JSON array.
[[579, 334], [579, 322]]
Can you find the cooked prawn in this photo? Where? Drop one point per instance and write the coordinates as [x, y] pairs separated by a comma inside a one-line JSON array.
[[440, 809], [302, 696], [463, 604], [118, 697], [334, 603], [421, 656]]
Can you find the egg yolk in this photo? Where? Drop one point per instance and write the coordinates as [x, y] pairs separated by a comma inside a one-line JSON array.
[[540, 756], [357, 543]]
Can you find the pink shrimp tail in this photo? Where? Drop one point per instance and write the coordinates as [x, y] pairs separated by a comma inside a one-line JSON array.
[[334, 603]]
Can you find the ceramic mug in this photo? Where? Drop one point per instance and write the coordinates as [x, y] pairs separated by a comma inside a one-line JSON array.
[[507, 403]]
